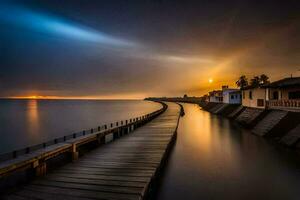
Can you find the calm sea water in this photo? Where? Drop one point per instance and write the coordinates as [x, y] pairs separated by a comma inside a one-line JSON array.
[[29, 122], [215, 159]]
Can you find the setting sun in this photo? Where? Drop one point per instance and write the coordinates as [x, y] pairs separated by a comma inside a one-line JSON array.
[[33, 97], [210, 80]]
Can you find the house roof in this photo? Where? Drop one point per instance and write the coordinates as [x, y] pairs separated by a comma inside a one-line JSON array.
[[215, 93], [231, 90], [235, 92], [249, 87], [284, 83]]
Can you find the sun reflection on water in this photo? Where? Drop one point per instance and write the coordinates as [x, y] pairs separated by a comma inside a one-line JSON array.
[[33, 116], [206, 137]]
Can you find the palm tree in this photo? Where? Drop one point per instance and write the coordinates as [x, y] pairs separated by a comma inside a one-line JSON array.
[[255, 81], [263, 79], [242, 82]]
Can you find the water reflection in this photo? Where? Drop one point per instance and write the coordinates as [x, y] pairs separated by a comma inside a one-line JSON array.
[[32, 117], [215, 159]]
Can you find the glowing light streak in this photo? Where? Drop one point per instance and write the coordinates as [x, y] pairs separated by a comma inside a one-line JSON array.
[[23, 17]]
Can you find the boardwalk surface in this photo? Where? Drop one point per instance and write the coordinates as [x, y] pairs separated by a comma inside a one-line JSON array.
[[123, 169]]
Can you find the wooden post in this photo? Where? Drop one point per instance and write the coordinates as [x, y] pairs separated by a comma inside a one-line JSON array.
[[74, 152], [127, 129], [115, 135], [119, 132], [40, 167], [101, 139]]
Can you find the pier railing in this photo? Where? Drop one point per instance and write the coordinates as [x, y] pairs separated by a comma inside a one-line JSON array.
[[37, 155], [16, 153]]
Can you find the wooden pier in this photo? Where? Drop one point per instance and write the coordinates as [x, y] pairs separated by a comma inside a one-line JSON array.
[[123, 169]]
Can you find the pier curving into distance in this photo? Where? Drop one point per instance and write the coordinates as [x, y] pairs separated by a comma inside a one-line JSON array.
[[124, 169]]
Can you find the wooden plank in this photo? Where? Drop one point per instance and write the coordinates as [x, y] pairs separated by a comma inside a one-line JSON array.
[[50, 193], [93, 168], [123, 157], [100, 174], [126, 163], [119, 167], [95, 181], [15, 197], [104, 177], [130, 159], [111, 173], [89, 187]]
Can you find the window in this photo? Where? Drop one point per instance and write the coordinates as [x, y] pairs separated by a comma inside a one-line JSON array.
[[294, 95], [236, 96], [260, 102], [250, 94], [231, 97]]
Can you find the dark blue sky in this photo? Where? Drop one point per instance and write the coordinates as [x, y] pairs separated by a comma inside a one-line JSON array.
[[120, 49]]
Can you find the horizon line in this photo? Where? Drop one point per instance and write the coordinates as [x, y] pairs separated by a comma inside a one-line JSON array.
[[65, 98]]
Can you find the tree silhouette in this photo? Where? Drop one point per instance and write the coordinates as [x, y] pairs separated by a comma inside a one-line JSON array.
[[255, 81], [242, 82], [263, 79]]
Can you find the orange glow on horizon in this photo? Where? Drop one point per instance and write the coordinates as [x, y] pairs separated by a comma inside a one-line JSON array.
[[37, 97]]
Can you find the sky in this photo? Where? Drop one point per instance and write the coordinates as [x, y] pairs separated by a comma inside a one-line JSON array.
[[135, 49]]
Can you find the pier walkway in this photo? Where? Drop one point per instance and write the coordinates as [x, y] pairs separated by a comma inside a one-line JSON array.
[[123, 169]]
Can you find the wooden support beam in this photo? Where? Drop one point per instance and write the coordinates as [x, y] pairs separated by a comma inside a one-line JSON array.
[[74, 152], [40, 167]]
